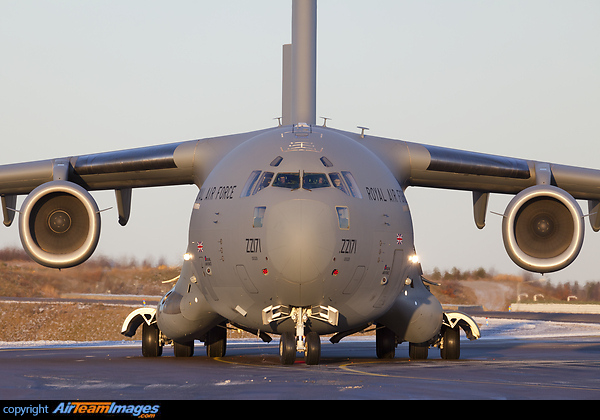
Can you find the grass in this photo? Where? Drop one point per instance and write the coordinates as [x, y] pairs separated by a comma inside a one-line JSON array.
[[21, 277], [63, 322], [28, 279]]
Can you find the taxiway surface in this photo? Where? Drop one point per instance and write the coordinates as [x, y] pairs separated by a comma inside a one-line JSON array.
[[500, 368]]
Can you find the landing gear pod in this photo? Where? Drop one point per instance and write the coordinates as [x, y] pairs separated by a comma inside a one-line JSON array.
[[59, 224], [543, 229]]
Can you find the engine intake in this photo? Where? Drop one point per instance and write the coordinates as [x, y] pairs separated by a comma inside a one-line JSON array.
[[59, 224], [543, 229]]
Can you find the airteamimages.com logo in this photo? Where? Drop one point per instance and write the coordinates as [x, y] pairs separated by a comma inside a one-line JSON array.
[[142, 411], [72, 408]]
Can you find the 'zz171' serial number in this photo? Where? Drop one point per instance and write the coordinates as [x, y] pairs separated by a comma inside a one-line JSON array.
[[348, 246], [253, 245]]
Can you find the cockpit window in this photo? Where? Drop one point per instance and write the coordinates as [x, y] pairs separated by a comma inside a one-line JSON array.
[[311, 181], [338, 182], [250, 183], [276, 161], [326, 162], [351, 184], [287, 180], [264, 182], [343, 181]]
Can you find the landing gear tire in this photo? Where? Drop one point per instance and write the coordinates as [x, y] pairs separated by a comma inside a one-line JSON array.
[[183, 349], [287, 348], [216, 342], [312, 352], [451, 345], [418, 351], [385, 343], [151, 341]]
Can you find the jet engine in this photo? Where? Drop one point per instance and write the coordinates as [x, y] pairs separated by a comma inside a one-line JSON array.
[[59, 224], [543, 229]]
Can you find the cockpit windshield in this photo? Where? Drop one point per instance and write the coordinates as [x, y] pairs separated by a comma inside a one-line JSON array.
[[343, 181], [287, 180], [311, 181]]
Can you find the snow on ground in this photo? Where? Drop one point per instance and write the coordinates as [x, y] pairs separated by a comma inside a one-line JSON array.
[[491, 328], [499, 328]]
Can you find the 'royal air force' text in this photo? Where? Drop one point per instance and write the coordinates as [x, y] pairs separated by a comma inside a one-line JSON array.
[[389, 194], [223, 192]]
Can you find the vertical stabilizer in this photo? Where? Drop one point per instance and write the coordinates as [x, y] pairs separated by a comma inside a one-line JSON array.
[[304, 62], [286, 101]]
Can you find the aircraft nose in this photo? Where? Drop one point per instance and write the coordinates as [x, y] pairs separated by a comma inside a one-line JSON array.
[[301, 239]]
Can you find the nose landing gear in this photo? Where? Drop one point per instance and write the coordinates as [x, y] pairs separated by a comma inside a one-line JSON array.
[[297, 341], [291, 343]]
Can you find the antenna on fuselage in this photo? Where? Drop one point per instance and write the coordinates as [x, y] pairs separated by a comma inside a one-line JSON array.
[[299, 99]]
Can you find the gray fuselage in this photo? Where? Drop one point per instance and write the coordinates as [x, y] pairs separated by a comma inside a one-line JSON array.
[[299, 217]]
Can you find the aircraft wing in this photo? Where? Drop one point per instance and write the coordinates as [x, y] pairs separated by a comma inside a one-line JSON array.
[[542, 226], [180, 163], [59, 222], [440, 167], [147, 166], [423, 165]]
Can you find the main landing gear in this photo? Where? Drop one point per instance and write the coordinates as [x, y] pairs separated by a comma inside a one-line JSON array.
[[152, 345], [386, 342], [448, 340], [153, 342]]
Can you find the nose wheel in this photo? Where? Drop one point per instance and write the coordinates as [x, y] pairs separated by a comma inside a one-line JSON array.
[[288, 348], [312, 348], [291, 343]]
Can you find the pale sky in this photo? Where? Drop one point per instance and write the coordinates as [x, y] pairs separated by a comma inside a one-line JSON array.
[[515, 78]]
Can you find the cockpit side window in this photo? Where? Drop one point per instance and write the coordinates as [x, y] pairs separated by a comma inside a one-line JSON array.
[[250, 183], [287, 180], [264, 182], [314, 180], [338, 182], [351, 184]]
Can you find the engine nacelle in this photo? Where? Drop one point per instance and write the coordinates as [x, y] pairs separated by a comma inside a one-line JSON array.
[[59, 224], [543, 229]]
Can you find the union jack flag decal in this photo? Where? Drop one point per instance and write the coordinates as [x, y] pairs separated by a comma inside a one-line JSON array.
[[399, 239], [200, 247]]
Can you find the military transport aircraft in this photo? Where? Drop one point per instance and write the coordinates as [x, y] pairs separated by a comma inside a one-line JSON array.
[[300, 230]]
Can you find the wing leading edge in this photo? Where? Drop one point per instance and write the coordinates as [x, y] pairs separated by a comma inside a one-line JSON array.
[[422, 165], [181, 163]]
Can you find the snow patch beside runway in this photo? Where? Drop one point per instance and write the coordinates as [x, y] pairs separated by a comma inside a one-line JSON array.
[[496, 328]]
